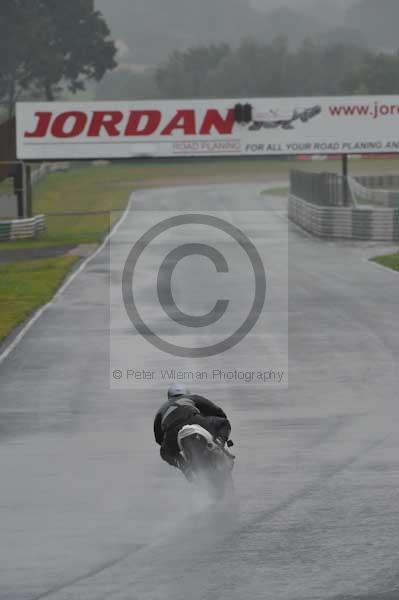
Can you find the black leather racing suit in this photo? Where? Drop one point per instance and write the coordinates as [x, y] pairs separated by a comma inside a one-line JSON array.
[[187, 410]]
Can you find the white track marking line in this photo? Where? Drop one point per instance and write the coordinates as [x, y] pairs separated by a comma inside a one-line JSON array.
[[65, 285]]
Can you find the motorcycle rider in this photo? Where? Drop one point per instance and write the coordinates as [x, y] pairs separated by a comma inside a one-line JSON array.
[[183, 408]]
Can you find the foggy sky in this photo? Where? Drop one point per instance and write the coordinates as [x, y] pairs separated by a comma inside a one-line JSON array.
[[151, 29], [297, 4], [331, 9]]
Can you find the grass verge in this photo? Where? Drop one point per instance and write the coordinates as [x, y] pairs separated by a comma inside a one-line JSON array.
[[391, 261], [101, 190], [6, 186], [25, 286], [278, 191]]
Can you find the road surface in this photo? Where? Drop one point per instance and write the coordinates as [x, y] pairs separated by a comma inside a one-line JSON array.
[[89, 512]]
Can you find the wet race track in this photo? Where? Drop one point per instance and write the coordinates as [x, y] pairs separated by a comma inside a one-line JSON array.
[[89, 512]]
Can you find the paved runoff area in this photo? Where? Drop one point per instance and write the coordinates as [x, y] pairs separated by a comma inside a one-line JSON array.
[[89, 512]]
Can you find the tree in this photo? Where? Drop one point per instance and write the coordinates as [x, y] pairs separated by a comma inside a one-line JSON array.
[[48, 44], [185, 73], [13, 52], [255, 69], [380, 74]]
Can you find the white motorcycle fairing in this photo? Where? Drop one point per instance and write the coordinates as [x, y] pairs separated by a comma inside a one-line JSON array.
[[190, 430]]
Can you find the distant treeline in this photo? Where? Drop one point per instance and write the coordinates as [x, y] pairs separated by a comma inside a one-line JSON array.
[[256, 69]]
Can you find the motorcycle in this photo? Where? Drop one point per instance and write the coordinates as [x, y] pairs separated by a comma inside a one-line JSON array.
[[207, 462]]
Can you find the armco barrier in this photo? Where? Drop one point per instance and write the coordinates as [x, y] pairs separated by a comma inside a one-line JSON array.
[[22, 228], [379, 224], [379, 181], [373, 189]]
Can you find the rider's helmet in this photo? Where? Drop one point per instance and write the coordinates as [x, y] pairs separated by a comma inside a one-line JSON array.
[[178, 389]]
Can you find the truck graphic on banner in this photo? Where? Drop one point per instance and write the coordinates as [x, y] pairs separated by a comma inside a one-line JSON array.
[[274, 118]]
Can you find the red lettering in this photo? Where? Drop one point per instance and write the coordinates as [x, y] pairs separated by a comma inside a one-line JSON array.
[[43, 122], [185, 120], [213, 118], [107, 120], [77, 120], [136, 126], [140, 123]]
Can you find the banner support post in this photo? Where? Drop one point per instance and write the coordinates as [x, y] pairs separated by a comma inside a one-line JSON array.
[[19, 188], [345, 178]]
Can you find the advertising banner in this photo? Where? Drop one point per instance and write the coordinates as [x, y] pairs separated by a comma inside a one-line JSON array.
[[173, 128]]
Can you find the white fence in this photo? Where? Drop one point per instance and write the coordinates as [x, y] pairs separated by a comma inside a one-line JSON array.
[[22, 228]]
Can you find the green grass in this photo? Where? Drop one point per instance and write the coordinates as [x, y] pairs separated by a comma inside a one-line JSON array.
[[6, 186], [391, 261], [25, 286], [278, 191]]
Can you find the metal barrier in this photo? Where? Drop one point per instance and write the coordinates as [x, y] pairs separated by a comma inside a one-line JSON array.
[[379, 224], [378, 181], [22, 228], [373, 190], [320, 204], [322, 189]]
